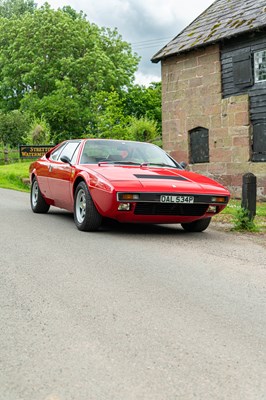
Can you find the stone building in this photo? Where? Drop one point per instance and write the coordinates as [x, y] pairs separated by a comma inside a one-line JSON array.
[[214, 93]]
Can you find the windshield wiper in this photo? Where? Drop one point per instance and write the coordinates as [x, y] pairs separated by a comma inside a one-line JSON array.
[[127, 162], [146, 164], [119, 162]]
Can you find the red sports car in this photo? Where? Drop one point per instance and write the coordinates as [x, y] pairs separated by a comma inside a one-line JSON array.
[[123, 180]]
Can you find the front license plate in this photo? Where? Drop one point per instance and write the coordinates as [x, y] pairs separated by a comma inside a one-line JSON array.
[[176, 199]]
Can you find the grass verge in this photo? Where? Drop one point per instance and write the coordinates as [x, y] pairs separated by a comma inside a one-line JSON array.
[[12, 176]]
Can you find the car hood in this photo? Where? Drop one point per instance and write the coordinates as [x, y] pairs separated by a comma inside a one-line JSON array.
[[159, 179]]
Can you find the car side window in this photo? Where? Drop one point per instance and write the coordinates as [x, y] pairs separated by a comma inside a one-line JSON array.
[[75, 155], [55, 154], [69, 150]]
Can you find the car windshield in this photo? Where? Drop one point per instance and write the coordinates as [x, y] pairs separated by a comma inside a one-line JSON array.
[[125, 152]]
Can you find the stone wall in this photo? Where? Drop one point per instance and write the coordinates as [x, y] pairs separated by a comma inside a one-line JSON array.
[[191, 98]]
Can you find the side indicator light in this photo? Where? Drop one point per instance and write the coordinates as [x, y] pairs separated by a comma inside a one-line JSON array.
[[128, 196], [219, 199]]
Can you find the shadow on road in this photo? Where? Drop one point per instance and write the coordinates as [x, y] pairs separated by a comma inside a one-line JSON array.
[[114, 227]]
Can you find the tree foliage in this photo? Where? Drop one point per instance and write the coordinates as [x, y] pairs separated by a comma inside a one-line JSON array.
[[108, 117], [144, 129], [131, 115], [144, 102], [39, 132], [13, 127], [16, 8], [46, 53], [57, 66]]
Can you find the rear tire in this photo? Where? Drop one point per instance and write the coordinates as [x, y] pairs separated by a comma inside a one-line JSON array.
[[86, 216], [37, 202], [197, 226]]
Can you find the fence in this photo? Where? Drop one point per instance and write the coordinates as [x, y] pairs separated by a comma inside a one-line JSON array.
[[8, 155]]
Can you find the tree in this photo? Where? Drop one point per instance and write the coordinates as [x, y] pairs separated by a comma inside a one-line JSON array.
[[13, 128], [63, 110], [53, 63], [108, 117], [144, 102], [111, 116], [57, 67], [16, 8]]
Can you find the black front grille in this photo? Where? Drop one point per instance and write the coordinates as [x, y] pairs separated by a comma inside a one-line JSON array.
[[170, 209]]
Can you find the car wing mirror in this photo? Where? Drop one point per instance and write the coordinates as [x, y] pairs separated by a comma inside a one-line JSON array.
[[183, 164], [65, 159]]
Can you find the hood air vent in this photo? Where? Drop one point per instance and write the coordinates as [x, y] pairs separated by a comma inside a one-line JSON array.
[[175, 178]]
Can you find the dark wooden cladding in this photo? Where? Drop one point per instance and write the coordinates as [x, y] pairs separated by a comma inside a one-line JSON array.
[[237, 63]]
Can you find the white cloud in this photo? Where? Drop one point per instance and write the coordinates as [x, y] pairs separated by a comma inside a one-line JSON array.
[[148, 25], [146, 79]]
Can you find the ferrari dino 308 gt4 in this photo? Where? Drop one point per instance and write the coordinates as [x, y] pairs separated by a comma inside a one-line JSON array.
[[131, 182]]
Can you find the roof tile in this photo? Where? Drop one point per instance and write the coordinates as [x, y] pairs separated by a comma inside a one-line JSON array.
[[223, 19]]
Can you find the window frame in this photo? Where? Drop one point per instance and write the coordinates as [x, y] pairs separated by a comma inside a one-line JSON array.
[[257, 66]]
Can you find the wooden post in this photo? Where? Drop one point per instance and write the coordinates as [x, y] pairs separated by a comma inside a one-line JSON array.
[[249, 194], [6, 155]]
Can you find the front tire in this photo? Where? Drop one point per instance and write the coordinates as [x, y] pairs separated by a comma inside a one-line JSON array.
[[38, 204], [197, 226], [86, 216]]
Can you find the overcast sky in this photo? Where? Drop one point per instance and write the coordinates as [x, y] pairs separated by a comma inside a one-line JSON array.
[[147, 24]]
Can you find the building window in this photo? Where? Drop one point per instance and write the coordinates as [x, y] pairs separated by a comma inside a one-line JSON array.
[[199, 145], [259, 142], [260, 66]]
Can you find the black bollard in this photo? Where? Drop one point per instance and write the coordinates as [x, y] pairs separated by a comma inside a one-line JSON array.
[[249, 194]]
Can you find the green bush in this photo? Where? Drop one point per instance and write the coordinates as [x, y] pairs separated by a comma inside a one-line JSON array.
[[243, 221], [39, 132], [144, 130]]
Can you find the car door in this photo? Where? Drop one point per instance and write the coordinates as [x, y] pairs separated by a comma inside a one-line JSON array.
[[43, 168], [42, 176], [60, 176]]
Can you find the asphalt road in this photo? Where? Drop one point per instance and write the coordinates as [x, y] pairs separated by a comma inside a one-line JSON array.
[[127, 313]]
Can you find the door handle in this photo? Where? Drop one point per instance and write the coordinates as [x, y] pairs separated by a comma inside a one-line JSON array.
[[50, 168]]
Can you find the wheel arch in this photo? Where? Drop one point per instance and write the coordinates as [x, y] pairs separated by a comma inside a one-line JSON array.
[[77, 181], [32, 176], [97, 193], [86, 215]]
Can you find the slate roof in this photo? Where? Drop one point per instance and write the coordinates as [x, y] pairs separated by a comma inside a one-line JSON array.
[[223, 19]]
